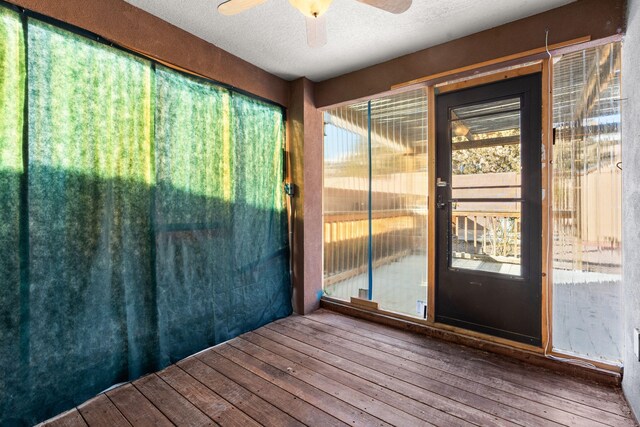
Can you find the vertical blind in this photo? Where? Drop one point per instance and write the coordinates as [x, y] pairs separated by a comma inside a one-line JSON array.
[[587, 190], [148, 224], [375, 202]]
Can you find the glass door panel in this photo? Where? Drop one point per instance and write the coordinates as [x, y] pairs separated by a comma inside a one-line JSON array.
[[399, 202], [488, 218], [487, 237], [486, 192]]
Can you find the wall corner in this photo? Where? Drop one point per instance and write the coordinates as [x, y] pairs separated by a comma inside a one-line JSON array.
[[305, 136]]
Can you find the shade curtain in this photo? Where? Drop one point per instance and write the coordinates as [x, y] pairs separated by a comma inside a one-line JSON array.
[[259, 290], [192, 210], [91, 313], [12, 69], [148, 224]]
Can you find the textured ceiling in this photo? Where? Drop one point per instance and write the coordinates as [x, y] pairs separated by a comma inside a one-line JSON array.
[[273, 35]]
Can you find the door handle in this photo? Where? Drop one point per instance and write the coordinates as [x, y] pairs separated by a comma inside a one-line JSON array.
[[440, 204]]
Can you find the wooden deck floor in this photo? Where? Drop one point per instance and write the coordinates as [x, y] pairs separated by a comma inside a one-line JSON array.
[[327, 369]]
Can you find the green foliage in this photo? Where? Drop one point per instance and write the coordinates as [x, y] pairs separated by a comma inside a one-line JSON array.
[[502, 158]]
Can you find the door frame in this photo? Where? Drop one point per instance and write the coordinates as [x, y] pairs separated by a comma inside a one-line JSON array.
[[504, 305], [542, 66], [500, 68]]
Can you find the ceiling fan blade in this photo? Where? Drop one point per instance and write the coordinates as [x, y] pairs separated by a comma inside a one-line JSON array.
[[233, 7], [316, 31], [393, 6]]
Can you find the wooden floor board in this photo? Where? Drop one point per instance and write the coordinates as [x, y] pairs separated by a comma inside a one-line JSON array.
[[557, 409], [456, 374], [472, 393], [136, 408], [573, 389], [173, 405], [71, 418], [290, 403], [318, 398], [248, 402], [348, 376], [341, 390], [421, 403], [101, 412], [210, 403], [576, 403], [328, 369]]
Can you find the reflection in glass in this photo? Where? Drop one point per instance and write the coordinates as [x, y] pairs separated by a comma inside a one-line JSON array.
[[485, 166], [399, 202], [486, 237], [493, 107], [346, 202], [586, 203]]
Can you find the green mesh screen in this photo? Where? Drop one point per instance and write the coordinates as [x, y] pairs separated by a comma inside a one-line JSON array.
[[259, 231], [12, 69], [148, 225], [192, 210]]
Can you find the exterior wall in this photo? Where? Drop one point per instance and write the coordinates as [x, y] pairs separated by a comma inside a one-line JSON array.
[[631, 200], [137, 30]]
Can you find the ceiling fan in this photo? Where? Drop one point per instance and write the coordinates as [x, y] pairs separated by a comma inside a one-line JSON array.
[[314, 13]]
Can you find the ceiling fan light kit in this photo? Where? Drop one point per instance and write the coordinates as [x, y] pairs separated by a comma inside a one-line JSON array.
[[311, 8], [313, 11]]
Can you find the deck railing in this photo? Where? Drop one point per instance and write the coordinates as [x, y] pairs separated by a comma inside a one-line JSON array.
[[398, 233], [486, 234]]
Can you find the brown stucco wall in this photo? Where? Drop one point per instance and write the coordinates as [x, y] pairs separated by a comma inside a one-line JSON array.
[[305, 130], [595, 18], [133, 28]]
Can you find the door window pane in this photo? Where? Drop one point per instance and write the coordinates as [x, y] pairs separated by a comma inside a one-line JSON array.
[[486, 166], [486, 236]]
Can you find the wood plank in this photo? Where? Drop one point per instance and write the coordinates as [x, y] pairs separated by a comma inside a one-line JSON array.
[[431, 200], [211, 404], [490, 78], [460, 373], [249, 403], [175, 407], [341, 390], [136, 408], [318, 398], [420, 402], [101, 412], [460, 401], [468, 366], [471, 393], [70, 418], [285, 401], [546, 208], [492, 62], [518, 352], [364, 303], [575, 390]]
